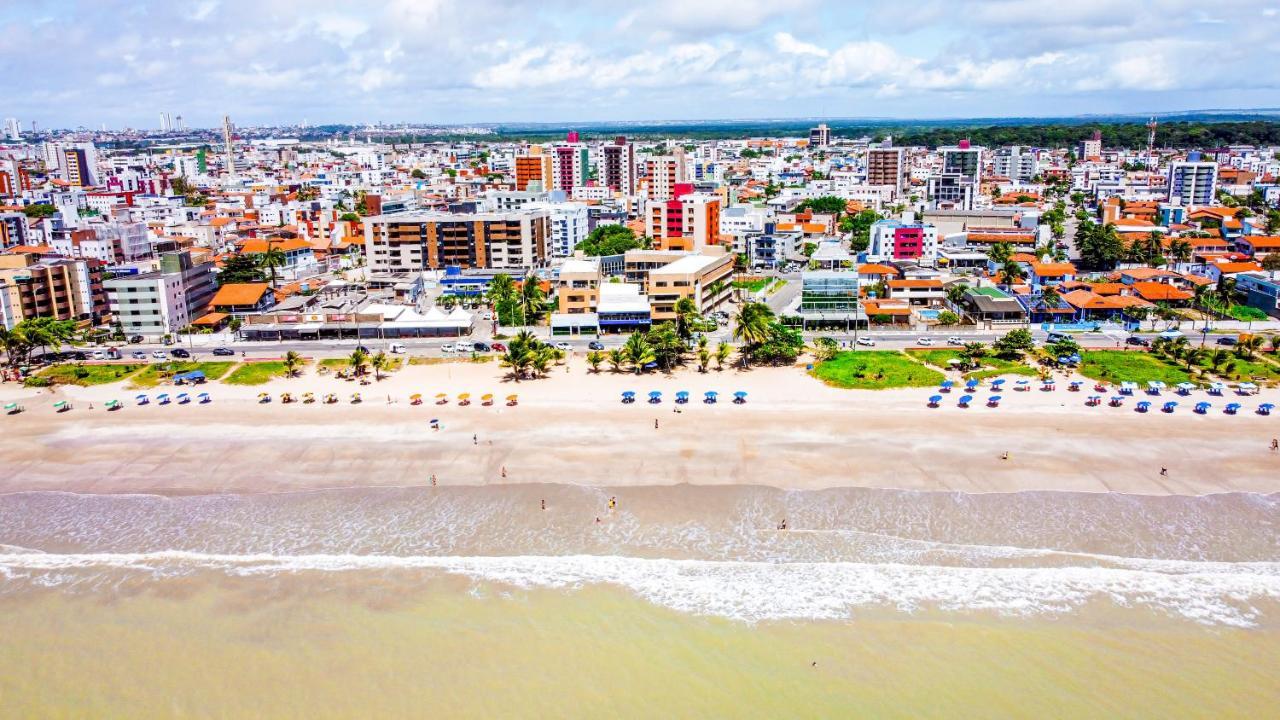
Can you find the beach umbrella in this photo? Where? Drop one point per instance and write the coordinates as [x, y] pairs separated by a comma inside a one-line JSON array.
[[1170, 406], [1203, 407], [655, 394], [1143, 406], [1095, 399], [11, 406], [1128, 386], [61, 405], [355, 397], [997, 382], [1155, 385], [1217, 388], [971, 384], [1117, 400], [486, 397], [994, 400], [965, 400], [709, 396], [163, 398], [204, 397], [740, 394], [415, 397], [682, 396], [1266, 408], [1232, 408], [946, 384], [934, 400], [113, 405], [628, 394], [1247, 387], [1186, 387], [183, 398], [512, 398], [142, 399]]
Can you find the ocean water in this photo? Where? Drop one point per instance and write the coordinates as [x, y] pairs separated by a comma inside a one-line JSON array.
[[680, 601]]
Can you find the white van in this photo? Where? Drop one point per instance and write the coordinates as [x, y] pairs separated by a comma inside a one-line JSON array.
[[397, 348]]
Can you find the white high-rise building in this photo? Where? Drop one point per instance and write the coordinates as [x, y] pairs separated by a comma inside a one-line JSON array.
[[12, 129], [569, 221], [1193, 182]]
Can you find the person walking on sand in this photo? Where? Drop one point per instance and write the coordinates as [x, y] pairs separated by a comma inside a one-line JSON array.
[[544, 503], [1005, 456], [655, 423], [433, 479], [504, 471], [1164, 472], [1275, 444], [475, 440], [613, 503], [782, 525]]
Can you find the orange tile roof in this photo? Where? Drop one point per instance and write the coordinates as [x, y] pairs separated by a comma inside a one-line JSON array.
[[1143, 273], [1262, 241], [213, 318], [233, 294], [259, 245], [877, 269], [1160, 291], [915, 284], [1230, 268], [1053, 269]]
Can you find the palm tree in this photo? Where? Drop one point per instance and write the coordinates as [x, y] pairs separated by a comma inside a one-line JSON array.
[[704, 357], [752, 324], [594, 358], [1180, 250], [1000, 253], [716, 289], [501, 294], [723, 351], [617, 358], [686, 312], [379, 362], [1274, 341], [270, 259], [1194, 356], [531, 298], [292, 360], [1218, 358], [1050, 297], [638, 351], [359, 359], [518, 359], [972, 352], [1249, 345], [1012, 273]]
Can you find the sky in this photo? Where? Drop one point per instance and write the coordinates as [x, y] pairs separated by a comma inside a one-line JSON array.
[[66, 63]]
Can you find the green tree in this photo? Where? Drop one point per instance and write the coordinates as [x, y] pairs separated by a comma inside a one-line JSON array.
[[752, 326], [1012, 273], [594, 359], [503, 295], [617, 358], [270, 259], [610, 240], [666, 344], [292, 361], [638, 352], [359, 358], [39, 210], [999, 253], [240, 269], [1014, 343], [723, 351], [686, 311], [1271, 262], [824, 348], [379, 362], [418, 174], [532, 299]]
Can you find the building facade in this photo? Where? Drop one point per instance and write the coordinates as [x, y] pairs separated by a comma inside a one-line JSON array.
[[412, 242]]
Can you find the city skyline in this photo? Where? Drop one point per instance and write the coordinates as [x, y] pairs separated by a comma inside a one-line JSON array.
[[491, 61]]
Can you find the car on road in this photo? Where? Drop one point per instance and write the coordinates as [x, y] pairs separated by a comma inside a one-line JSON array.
[[864, 340], [397, 348], [564, 346], [179, 353], [158, 354], [1227, 341], [1135, 340], [364, 349], [498, 347], [135, 339], [99, 355], [223, 351], [925, 341], [480, 346], [138, 354], [954, 340], [595, 345]]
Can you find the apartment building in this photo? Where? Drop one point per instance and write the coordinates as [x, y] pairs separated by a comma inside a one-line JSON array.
[[887, 167], [664, 173], [533, 168], [154, 304], [820, 136], [1016, 163], [1091, 148], [618, 166], [568, 222], [578, 287], [1192, 182], [892, 240], [110, 242], [416, 241], [60, 288], [693, 276], [569, 167], [13, 230], [689, 222]]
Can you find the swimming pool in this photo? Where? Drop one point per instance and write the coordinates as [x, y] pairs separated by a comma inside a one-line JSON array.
[[928, 314]]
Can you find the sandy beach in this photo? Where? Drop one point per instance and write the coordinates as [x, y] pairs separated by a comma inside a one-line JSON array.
[[794, 432]]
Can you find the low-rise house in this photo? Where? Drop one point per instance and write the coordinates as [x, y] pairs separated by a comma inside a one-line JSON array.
[[240, 299]]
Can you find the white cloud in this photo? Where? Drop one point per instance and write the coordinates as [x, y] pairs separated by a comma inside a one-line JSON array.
[[787, 43]]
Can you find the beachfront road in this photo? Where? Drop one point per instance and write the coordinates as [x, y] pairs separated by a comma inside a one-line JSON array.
[[202, 346]]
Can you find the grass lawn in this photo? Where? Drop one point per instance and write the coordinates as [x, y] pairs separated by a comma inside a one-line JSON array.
[[752, 285], [335, 363], [875, 370], [74, 374], [159, 373], [991, 366], [1246, 370], [1244, 313], [256, 373], [1129, 366]]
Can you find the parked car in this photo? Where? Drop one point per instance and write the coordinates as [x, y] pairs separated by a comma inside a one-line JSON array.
[[224, 351], [179, 353], [864, 340], [954, 340], [158, 354], [595, 345], [498, 347], [925, 341], [135, 339], [480, 346], [1135, 340], [1226, 341], [564, 346], [446, 348], [396, 348], [138, 355]]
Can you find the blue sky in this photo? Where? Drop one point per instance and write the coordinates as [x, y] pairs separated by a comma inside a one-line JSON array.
[[66, 63]]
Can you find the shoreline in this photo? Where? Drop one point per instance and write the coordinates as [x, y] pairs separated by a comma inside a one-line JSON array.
[[794, 432]]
